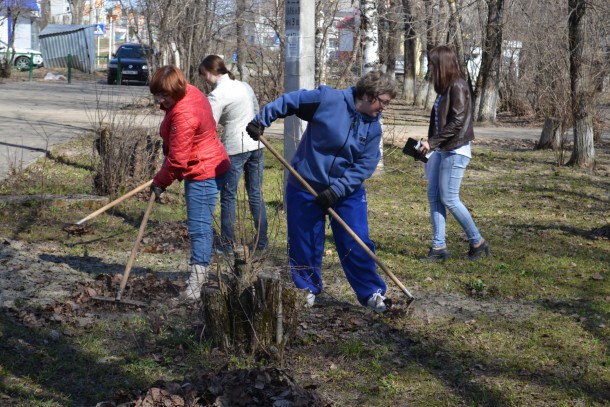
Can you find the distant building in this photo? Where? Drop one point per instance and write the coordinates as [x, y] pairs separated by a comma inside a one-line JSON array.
[[59, 12], [19, 17], [511, 51]]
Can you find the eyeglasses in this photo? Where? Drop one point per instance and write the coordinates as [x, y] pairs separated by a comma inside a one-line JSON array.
[[384, 102]]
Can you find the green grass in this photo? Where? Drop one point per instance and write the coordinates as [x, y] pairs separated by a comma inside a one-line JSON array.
[[546, 343]]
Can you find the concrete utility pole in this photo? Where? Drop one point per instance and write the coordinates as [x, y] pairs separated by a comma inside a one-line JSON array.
[[300, 64]]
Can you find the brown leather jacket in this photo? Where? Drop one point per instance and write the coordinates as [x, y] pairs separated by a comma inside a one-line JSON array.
[[454, 119]]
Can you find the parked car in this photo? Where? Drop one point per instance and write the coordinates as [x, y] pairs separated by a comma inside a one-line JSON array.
[[21, 56], [134, 64]]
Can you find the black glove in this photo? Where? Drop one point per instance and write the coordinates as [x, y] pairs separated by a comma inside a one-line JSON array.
[[326, 198], [157, 190], [254, 130]]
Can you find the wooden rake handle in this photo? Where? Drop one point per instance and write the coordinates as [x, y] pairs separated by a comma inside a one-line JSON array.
[[337, 218], [115, 202], [136, 246]]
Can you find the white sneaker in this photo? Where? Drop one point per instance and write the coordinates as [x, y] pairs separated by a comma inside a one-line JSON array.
[[311, 299], [375, 302], [198, 277]]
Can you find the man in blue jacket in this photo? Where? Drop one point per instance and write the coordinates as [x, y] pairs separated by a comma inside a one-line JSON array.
[[337, 152]]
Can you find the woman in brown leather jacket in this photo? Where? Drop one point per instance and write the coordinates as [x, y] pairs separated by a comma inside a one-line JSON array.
[[449, 135]]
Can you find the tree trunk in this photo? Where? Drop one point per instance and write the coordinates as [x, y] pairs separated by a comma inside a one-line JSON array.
[[455, 36], [583, 154], [550, 137], [321, 41], [490, 63], [393, 36], [76, 10], [241, 40], [370, 52], [409, 85]]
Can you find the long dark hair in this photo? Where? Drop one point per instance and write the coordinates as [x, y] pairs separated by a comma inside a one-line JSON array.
[[215, 65], [444, 67]]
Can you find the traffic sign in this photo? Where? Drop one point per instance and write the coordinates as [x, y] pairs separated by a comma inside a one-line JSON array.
[[100, 30]]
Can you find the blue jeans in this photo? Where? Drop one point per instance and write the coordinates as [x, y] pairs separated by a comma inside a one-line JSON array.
[[201, 199], [251, 163], [306, 223], [445, 172]]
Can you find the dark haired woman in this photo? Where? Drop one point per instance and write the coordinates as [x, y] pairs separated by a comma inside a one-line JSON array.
[[193, 153], [233, 105], [449, 134]]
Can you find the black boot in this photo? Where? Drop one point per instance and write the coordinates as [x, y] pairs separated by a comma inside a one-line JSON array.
[[435, 255], [474, 253]]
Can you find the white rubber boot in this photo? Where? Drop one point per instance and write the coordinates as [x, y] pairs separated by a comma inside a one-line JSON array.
[[198, 277]]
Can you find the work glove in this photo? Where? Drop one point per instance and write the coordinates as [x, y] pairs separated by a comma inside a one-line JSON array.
[[254, 130], [157, 190], [326, 199]]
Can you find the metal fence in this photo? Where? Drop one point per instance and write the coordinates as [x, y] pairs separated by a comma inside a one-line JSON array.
[[57, 41]]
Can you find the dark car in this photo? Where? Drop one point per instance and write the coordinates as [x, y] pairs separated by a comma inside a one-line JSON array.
[[134, 60]]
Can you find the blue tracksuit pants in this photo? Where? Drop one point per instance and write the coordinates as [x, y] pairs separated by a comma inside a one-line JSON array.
[[306, 223]]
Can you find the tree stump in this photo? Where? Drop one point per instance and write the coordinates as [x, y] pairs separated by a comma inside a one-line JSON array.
[[249, 309], [551, 135]]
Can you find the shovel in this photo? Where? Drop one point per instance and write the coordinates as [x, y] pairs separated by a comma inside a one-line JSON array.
[[132, 258], [341, 222]]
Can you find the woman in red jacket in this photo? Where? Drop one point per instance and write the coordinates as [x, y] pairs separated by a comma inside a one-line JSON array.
[[193, 153]]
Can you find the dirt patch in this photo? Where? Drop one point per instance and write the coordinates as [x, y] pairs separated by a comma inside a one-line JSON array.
[[35, 280], [41, 288]]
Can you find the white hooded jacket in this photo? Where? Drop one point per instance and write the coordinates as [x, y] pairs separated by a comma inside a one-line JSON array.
[[234, 104]]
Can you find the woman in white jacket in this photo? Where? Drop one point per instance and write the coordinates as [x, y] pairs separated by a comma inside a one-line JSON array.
[[234, 104]]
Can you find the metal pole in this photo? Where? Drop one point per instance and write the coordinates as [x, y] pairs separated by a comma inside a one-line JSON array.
[[69, 69], [31, 66], [300, 47]]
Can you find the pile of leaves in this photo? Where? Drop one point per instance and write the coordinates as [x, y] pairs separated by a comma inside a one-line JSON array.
[[243, 387]]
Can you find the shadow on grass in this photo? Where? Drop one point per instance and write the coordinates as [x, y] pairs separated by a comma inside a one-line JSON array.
[[62, 160], [95, 265], [480, 375], [39, 370], [472, 374]]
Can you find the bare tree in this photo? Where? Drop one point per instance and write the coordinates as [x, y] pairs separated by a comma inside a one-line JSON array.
[[13, 11], [409, 85], [76, 11], [325, 16], [369, 22], [240, 33], [583, 154], [454, 35], [488, 81], [389, 35]]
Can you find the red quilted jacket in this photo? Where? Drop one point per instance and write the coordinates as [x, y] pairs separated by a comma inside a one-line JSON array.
[[191, 146]]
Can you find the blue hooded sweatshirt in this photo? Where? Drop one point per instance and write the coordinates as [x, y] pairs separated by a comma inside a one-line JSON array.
[[340, 146]]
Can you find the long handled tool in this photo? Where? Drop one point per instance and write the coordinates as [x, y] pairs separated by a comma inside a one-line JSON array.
[[341, 222], [115, 202], [132, 258]]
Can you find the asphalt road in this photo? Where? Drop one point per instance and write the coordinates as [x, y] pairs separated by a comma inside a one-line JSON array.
[[36, 115]]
